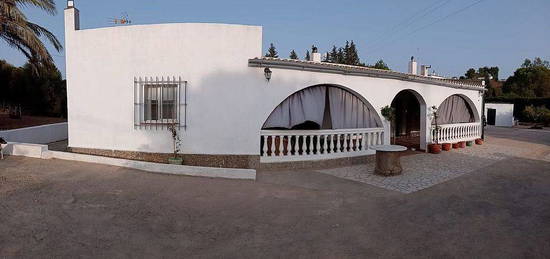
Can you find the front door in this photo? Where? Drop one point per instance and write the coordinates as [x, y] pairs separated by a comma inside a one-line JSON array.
[[491, 116]]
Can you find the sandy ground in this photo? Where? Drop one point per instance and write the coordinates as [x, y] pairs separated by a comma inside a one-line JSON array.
[[27, 121], [53, 208]]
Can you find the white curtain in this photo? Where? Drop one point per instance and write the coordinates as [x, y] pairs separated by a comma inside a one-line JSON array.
[[455, 110], [306, 105], [350, 112], [334, 108]]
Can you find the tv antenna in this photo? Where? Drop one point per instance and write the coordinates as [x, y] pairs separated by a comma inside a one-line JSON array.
[[123, 20]]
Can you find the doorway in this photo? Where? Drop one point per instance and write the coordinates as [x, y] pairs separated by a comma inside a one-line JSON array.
[[491, 116], [406, 127]]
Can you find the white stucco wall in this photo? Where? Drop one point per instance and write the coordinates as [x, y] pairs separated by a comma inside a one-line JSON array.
[[504, 113], [228, 101], [43, 134]]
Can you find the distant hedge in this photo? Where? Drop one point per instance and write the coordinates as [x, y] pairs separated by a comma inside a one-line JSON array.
[[520, 104]]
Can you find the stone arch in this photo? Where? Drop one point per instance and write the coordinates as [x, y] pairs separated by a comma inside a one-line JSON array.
[[466, 108], [318, 92]]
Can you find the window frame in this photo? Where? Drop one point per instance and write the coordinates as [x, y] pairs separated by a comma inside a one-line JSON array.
[[165, 91]]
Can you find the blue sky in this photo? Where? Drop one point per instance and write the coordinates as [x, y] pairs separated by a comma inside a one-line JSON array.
[[491, 33]]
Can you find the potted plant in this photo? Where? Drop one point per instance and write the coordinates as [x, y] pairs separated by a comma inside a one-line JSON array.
[[456, 145], [174, 130], [469, 143], [462, 144], [479, 141], [435, 148], [388, 113], [446, 146]]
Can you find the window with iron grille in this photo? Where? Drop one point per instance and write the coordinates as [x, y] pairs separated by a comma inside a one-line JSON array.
[[159, 102]]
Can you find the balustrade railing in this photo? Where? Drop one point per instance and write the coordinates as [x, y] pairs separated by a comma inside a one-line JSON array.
[[301, 145], [452, 133]]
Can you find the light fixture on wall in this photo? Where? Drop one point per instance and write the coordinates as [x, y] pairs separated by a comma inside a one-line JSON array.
[[267, 73]]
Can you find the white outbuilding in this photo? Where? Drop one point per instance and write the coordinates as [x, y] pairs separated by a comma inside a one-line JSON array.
[[235, 108], [499, 114]]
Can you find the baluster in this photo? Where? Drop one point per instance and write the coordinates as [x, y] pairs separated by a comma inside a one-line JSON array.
[[280, 145], [319, 144], [295, 145], [346, 142], [363, 144], [323, 147], [272, 146], [372, 139], [304, 145], [264, 145], [338, 143], [356, 143], [310, 145]]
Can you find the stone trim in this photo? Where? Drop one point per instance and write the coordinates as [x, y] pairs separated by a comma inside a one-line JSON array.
[[220, 161], [318, 164], [324, 67]]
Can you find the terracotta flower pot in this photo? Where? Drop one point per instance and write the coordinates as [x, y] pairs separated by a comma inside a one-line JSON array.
[[456, 145], [462, 144], [434, 148], [479, 141], [446, 146]]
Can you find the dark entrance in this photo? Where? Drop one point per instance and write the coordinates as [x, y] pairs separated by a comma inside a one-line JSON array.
[[491, 116], [406, 126]]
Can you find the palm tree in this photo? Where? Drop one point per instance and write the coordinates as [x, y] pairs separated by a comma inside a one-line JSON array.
[[25, 36]]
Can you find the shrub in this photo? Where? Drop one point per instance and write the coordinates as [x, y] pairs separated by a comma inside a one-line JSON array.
[[539, 114]]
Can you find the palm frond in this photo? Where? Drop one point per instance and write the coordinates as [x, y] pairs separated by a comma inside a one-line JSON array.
[[46, 5], [41, 31]]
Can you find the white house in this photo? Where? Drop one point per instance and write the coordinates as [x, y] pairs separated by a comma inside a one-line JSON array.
[[236, 108], [500, 114]]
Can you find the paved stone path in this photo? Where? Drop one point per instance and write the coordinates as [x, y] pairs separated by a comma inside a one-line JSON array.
[[422, 171]]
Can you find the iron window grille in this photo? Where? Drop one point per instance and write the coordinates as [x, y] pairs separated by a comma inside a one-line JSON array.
[[160, 102]]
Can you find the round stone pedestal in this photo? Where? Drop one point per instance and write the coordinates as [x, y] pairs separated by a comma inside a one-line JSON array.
[[388, 160]]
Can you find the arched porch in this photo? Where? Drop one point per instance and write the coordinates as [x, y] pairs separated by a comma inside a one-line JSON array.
[[320, 122], [457, 120]]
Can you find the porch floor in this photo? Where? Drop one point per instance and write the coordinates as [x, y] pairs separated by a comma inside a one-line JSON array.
[[423, 170]]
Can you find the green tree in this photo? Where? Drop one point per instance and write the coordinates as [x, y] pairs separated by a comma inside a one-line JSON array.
[[344, 55], [532, 79], [471, 74], [351, 54], [21, 34], [272, 52], [42, 93], [537, 115], [333, 55], [380, 64], [308, 56], [293, 55]]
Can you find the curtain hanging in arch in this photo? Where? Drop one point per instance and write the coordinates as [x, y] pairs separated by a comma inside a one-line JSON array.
[[455, 110], [328, 107]]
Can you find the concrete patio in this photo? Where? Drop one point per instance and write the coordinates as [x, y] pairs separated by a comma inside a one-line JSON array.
[[495, 203]]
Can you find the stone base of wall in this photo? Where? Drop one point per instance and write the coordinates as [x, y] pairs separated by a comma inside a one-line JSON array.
[[223, 161], [320, 164], [226, 161]]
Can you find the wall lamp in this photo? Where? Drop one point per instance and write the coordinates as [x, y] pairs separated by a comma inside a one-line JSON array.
[[267, 73]]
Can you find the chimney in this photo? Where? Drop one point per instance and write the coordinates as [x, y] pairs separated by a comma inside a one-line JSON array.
[[413, 66], [425, 70], [72, 17], [315, 55]]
